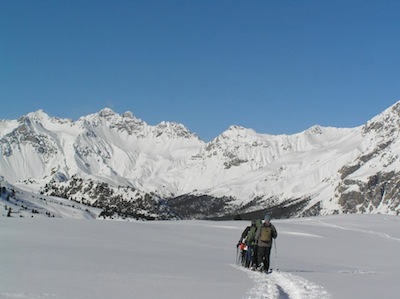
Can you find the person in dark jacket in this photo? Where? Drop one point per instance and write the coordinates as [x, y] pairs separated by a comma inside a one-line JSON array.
[[244, 242], [265, 234]]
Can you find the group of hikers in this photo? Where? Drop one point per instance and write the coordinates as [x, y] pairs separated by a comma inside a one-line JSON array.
[[255, 244]]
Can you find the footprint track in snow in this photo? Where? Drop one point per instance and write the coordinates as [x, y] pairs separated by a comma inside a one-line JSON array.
[[283, 285]]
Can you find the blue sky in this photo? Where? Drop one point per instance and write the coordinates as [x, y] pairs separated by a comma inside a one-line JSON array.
[[276, 66]]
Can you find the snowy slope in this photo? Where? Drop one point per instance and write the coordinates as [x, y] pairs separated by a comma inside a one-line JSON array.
[[25, 204], [316, 172], [342, 256]]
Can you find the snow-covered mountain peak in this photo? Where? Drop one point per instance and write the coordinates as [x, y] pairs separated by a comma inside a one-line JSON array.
[[41, 119], [106, 112], [38, 115], [128, 114], [315, 130], [235, 129], [108, 119], [112, 116], [173, 130], [103, 116], [236, 133], [318, 136], [317, 167], [387, 122]]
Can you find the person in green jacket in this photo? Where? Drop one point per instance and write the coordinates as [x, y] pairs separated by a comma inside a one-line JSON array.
[[249, 245]]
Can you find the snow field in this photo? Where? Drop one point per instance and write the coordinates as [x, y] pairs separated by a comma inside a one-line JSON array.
[[346, 256]]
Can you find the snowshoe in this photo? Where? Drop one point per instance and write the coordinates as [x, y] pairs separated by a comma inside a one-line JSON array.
[[260, 267]]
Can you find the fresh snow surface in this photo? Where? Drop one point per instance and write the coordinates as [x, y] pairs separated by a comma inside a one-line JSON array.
[[346, 256]]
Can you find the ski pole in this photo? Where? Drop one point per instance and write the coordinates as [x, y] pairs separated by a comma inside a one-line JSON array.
[[276, 256], [237, 255]]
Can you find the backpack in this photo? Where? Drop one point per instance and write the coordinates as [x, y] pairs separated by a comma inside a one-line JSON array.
[[265, 234], [251, 235]]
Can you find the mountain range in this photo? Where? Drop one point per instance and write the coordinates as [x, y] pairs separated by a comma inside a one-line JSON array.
[[128, 168]]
